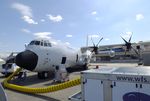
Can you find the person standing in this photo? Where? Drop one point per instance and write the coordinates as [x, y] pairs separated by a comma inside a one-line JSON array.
[[64, 73], [57, 77], [61, 74]]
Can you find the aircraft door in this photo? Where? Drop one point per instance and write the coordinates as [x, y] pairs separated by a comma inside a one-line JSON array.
[[63, 60], [46, 57]]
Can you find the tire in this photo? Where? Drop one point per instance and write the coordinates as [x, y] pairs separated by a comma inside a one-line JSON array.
[[42, 75]]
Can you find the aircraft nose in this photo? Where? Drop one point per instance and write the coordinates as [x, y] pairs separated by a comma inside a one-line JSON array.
[[27, 60]]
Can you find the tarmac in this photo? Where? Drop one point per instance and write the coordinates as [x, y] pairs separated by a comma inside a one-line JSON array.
[[62, 95]]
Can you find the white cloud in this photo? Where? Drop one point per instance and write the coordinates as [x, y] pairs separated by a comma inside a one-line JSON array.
[[25, 30], [29, 20], [54, 42], [23, 9], [42, 20], [43, 35], [93, 36], [57, 18], [67, 43], [139, 17], [97, 18], [69, 35], [59, 40], [107, 39], [127, 34], [94, 13]]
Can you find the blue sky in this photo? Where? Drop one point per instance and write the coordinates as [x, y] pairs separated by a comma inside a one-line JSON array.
[[72, 20]]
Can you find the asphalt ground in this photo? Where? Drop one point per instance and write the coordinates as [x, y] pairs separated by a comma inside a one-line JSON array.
[[62, 95]]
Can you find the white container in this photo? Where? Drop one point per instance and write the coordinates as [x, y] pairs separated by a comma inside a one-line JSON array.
[[116, 84]]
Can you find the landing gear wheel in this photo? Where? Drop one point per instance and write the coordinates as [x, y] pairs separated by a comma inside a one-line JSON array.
[[42, 75]]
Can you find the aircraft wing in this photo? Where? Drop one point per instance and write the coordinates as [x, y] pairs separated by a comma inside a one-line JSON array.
[[84, 49], [4, 56]]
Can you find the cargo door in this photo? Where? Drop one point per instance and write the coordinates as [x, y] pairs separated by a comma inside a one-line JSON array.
[[124, 91], [93, 90]]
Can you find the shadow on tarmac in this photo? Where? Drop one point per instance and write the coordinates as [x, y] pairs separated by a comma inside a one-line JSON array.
[[40, 97], [29, 80], [43, 97]]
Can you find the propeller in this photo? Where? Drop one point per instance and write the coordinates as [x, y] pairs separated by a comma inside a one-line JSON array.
[[95, 47], [129, 46], [128, 43]]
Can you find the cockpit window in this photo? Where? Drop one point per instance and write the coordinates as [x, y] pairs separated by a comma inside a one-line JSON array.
[[32, 43], [41, 43], [49, 44], [37, 42], [45, 44]]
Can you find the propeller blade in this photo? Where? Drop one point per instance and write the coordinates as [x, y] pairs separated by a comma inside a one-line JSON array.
[[124, 40], [93, 42], [99, 41], [130, 38]]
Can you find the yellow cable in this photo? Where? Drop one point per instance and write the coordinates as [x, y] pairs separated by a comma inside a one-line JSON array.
[[51, 88]]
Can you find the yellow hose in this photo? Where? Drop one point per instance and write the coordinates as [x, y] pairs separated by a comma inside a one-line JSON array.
[[51, 88]]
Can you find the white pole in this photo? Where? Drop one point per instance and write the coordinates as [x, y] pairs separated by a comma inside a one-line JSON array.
[[87, 40]]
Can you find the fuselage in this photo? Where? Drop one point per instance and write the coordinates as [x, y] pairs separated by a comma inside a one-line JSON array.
[[43, 55]]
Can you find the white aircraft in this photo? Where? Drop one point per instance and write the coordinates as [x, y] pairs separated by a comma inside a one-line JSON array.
[[42, 55]]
